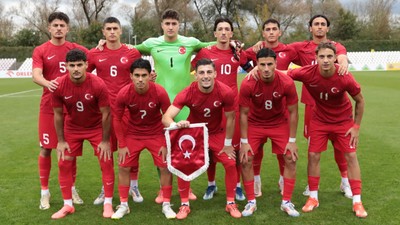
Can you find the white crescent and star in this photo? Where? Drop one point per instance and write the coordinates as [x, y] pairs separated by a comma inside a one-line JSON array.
[[88, 96], [334, 90], [152, 105], [186, 154], [276, 94], [217, 103]]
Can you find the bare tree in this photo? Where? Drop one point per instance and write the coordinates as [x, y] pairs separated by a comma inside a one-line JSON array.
[[6, 25], [92, 10], [36, 13]]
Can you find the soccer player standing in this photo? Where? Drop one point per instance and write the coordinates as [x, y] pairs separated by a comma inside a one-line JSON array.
[[145, 101], [226, 66], [209, 101], [85, 97], [112, 64], [264, 103], [48, 65], [319, 27], [333, 120]]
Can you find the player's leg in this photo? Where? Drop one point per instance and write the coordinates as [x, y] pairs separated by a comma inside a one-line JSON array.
[[342, 165], [211, 171], [289, 182], [281, 165], [134, 185], [123, 188], [75, 196], [239, 195], [184, 209], [257, 161], [307, 117]]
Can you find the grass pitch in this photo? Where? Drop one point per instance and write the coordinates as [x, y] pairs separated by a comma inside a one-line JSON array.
[[378, 156]]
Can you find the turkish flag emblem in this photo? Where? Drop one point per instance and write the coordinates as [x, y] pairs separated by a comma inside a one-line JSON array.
[[187, 155]]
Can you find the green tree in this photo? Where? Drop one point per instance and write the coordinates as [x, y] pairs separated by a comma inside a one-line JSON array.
[[89, 36], [345, 27], [26, 37]]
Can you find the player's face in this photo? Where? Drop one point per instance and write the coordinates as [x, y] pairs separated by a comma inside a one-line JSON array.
[[170, 28], [271, 32], [140, 78], [112, 32], [266, 68], [319, 27], [77, 71], [58, 29], [205, 75], [326, 60], [223, 32]]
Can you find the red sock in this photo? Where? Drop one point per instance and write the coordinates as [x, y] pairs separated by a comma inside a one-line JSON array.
[[183, 188], [230, 181], [74, 171], [281, 163], [355, 186], [212, 168], [123, 193], [134, 173], [341, 162], [313, 183], [249, 188], [65, 177], [238, 171], [44, 171], [107, 175], [167, 191], [288, 187], [257, 162]]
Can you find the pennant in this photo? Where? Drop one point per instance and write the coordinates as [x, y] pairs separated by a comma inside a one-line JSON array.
[[187, 155]]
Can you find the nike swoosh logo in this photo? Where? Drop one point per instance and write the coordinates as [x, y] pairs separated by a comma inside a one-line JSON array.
[[214, 60], [258, 95], [235, 145], [50, 57], [313, 85], [101, 60], [132, 105], [160, 50], [109, 183], [193, 105], [68, 97]]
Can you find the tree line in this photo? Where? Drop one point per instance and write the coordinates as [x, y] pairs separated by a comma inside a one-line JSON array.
[[362, 20]]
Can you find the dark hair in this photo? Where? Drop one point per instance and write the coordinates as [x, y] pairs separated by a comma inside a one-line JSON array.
[[221, 20], [141, 64], [203, 62], [58, 15], [111, 20], [324, 45], [75, 55], [170, 14], [266, 52], [271, 20], [318, 16]]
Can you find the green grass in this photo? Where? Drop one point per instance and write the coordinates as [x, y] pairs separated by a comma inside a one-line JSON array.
[[378, 156]]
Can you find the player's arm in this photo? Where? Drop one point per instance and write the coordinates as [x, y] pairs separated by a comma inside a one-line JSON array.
[[293, 121], [104, 146], [358, 114], [62, 145], [170, 114], [244, 142], [142, 48], [230, 128], [37, 76], [343, 62]]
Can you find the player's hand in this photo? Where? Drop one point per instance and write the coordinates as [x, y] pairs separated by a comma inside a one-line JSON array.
[[104, 150], [237, 48], [354, 133], [163, 153], [258, 46], [343, 68], [229, 151], [52, 85], [122, 153], [153, 76], [252, 73], [245, 148], [292, 147], [100, 45], [183, 124], [61, 147]]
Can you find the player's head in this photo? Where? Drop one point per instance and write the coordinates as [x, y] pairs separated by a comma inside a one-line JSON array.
[[170, 23], [319, 26], [223, 29], [76, 64], [266, 62], [205, 74], [326, 56], [112, 29], [140, 74], [271, 30], [58, 25]]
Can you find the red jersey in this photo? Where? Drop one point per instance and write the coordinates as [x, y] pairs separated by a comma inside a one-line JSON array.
[[332, 104], [145, 110], [51, 59], [207, 107], [113, 66], [285, 54], [226, 65], [267, 101], [82, 101], [306, 56]]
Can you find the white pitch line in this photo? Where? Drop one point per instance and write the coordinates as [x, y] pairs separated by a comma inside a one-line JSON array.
[[17, 93]]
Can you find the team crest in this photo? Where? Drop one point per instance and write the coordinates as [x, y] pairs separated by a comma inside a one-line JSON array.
[[182, 50]]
